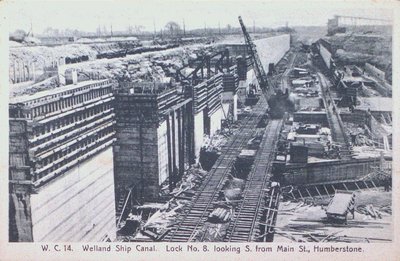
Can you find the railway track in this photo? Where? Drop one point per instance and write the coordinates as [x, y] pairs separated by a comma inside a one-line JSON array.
[[247, 215], [196, 213]]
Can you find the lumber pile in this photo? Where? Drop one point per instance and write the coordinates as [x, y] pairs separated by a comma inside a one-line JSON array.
[[374, 212], [220, 215]]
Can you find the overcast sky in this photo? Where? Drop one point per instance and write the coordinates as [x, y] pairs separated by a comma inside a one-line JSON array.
[[87, 15]]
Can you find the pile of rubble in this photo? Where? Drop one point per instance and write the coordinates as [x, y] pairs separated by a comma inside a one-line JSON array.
[[211, 149], [153, 221], [374, 212], [149, 66], [358, 134], [154, 65], [43, 56], [215, 142], [362, 48]]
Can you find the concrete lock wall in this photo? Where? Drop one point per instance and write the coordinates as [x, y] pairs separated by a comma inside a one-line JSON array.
[[175, 138], [20, 220], [198, 133], [162, 152], [127, 156], [78, 206], [215, 121], [272, 49], [326, 56]]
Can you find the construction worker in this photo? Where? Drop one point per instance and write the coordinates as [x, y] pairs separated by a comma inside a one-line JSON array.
[[352, 206], [386, 184]]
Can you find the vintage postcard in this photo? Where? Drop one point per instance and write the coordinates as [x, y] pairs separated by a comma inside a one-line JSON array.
[[222, 130]]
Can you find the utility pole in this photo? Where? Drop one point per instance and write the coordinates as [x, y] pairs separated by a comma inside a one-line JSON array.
[[154, 27], [111, 30], [141, 156], [254, 27], [31, 28], [184, 29], [219, 28]]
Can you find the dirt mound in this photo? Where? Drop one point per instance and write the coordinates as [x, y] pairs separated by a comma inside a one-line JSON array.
[[362, 47]]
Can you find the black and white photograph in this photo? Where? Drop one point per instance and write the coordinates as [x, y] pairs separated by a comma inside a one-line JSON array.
[[145, 126]]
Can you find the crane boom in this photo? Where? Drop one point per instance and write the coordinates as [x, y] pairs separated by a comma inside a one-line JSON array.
[[257, 66], [278, 101]]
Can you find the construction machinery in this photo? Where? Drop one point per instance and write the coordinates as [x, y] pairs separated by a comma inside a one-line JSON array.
[[257, 66], [278, 101]]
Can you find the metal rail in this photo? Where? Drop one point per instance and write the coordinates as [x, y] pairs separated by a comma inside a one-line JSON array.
[[196, 213], [243, 226]]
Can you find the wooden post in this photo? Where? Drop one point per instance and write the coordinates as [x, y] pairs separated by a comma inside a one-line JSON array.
[[366, 185], [300, 194], [308, 192], [180, 142], [169, 153], [357, 186], [344, 185], [173, 147], [316, 188], [14, 78], [326, 190]]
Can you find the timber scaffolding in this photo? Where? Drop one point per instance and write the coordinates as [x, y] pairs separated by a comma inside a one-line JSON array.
[[323, 178], [156, 126], [209, 84], [197, 211], [206, 95], [64, 126], [143, 108]]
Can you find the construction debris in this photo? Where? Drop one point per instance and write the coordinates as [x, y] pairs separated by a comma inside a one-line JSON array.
[[220, 215], [307, 222]]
